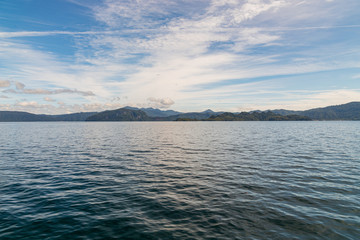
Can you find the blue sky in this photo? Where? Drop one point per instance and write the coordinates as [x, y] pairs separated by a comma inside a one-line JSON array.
[[63, 56]]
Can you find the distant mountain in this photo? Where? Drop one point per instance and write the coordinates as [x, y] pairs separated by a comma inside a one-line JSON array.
[[134, 114], [209, 111], [122, 114], [153, 112], [14, 116], [253, 116], [349, 111], [284, 112], [82, 116], [193, 115]]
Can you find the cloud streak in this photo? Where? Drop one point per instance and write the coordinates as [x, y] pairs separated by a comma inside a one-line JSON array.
[[20, 89], [57, 91], [4, 83], [160, 102], [187, 54], [39, 91], [20, 34]]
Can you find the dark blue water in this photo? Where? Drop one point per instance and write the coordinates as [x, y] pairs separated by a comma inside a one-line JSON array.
[[180, 180]]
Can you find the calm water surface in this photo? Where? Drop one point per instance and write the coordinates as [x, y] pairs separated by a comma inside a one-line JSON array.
[[180, 180]]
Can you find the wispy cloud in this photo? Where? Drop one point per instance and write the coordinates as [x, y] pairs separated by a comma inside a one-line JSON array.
[[38, 68], [57, 91], [321, 99], [40, 34], [19, 85], [214, 45], [51, 107], [21, 34], [20, 89], [48, 99], [186, 54], [4, 83], [161, 102]]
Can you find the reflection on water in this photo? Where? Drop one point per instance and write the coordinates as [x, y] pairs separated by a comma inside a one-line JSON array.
[[180, 180]]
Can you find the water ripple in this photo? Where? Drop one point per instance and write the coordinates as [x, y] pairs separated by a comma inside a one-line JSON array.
[[180, 180]]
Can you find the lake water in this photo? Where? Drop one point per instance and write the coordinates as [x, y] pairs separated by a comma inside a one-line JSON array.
[[180, 180]]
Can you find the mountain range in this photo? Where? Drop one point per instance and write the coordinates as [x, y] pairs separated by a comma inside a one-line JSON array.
[[349, 111], [142, 114], [153, 112], [15, 116]]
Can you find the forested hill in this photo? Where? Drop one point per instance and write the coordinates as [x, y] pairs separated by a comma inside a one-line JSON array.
[[122, 114], [254, 116], [153, 112], [349, 111], [14, 116], [194, 115]]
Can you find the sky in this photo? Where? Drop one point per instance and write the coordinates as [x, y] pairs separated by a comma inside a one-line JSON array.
[[65, 56]]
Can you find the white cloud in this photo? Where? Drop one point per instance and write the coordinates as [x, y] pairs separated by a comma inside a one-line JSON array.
[[19, 85], [324, 99], [4, 83], [335, 97], [304, 100], [160, 102], [57, 91], [48, 99], [180, 54], [143, 13], [48, 92], [58, 108], [21, 34], [38, 68], [180, 48], [31, 104]]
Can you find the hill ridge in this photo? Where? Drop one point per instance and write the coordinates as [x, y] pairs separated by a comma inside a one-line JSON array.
[[348, 111]]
